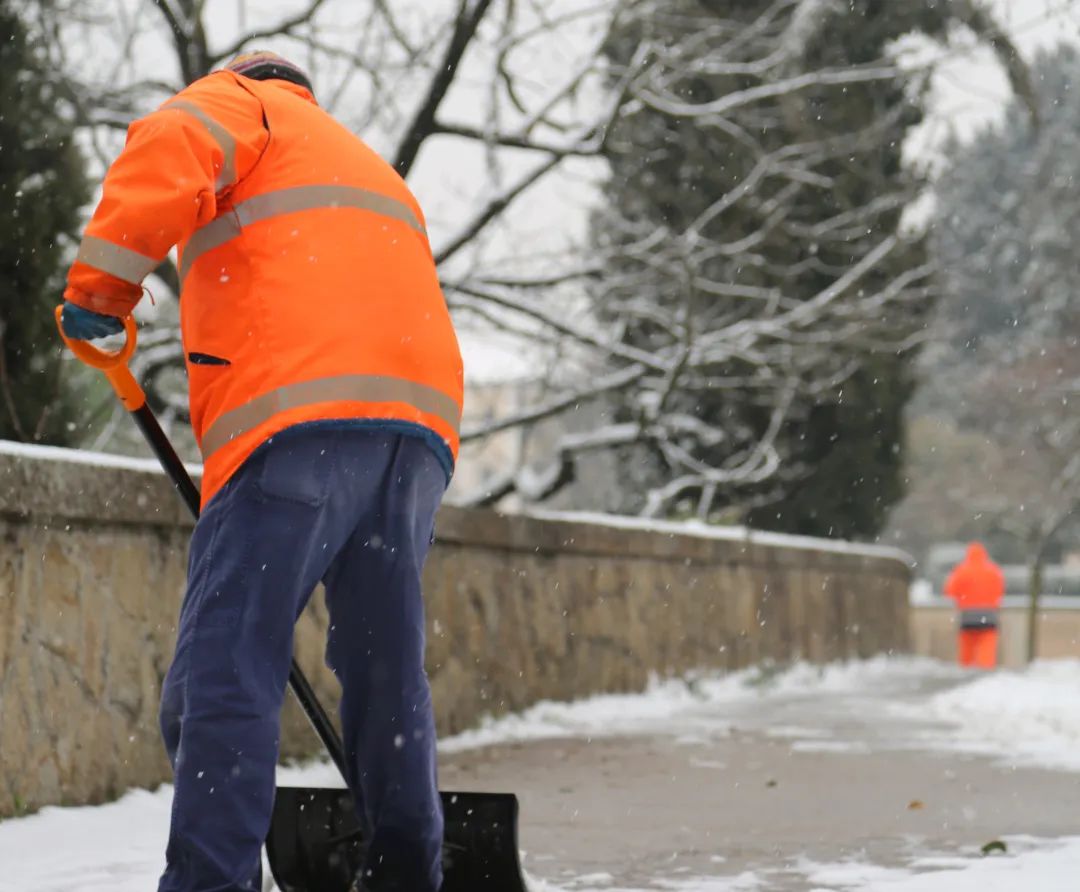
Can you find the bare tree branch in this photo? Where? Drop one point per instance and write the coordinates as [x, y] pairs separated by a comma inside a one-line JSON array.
[[615, 381], [493, 209], [284, 27], [718, 107], [421, 127]]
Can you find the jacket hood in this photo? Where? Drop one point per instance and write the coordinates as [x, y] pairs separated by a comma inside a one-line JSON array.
[[976, 553]]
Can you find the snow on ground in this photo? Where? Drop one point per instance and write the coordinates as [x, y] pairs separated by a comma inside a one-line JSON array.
[[108, 848], [1035, 864], [1030, 716], [686, 708], [1027, 718], [1032, 865]]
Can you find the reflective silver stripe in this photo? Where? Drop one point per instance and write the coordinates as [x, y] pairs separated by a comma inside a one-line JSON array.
[[131, 266], [978, 618], [225, 140], [290, 201], [206, 238], [308, 198], [358, 388]]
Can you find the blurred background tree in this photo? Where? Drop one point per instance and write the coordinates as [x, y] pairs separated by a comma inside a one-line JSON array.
[[42, 189], [1001, 376], [788, 194]]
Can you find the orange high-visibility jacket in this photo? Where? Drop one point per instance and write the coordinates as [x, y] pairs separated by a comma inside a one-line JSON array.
[[976, 582], [308, 287]]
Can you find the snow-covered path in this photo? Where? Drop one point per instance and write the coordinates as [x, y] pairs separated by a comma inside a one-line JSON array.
[[881, 775]]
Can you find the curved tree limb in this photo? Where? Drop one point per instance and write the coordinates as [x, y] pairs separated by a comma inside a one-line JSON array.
[[421, 126]]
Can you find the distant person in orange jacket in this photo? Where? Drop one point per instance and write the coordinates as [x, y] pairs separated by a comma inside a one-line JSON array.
[[977, 585]]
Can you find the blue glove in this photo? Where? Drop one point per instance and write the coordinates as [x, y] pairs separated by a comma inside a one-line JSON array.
[[85, 325]]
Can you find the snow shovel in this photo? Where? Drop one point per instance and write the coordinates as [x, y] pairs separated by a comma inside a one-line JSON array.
[[315, 843]]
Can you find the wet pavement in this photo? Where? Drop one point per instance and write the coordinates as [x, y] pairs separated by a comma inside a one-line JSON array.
[[765, 786]]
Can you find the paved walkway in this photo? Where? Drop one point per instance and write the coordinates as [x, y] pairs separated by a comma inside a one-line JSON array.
[[847, 782], [765, 787]]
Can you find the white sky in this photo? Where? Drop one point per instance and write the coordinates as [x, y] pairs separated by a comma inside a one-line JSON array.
[[970, 89]]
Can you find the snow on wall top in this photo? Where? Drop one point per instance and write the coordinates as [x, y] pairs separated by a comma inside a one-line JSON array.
[[85, 457], [726, 533]]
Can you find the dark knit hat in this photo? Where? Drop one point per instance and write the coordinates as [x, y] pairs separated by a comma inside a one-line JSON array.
[[261, 65]]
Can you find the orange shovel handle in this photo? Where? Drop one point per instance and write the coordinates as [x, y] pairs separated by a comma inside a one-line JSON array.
[[113, 363]]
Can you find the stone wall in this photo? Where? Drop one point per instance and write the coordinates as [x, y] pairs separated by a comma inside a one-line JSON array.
[[92, 564]]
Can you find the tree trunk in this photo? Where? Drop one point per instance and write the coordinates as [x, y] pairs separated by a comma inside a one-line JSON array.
[[1035, 580]]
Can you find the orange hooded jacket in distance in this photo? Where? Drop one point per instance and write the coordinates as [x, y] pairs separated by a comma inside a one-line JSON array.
[[309, 291], [976, 582]]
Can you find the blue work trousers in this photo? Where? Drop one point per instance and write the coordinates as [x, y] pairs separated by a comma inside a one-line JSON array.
[[354, 509]]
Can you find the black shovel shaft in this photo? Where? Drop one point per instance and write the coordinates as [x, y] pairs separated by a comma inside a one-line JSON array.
[[170, 461]]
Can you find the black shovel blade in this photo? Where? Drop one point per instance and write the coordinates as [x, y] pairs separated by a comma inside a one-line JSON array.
[[315, 843]]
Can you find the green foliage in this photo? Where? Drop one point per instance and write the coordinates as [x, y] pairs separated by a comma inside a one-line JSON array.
[[42, 188], [842, 444], [855, 447]]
